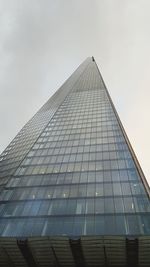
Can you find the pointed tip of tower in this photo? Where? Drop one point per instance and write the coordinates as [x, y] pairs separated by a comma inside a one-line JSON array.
[[93, 59]]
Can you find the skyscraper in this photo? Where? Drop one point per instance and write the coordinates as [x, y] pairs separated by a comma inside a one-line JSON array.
[[72, 190]]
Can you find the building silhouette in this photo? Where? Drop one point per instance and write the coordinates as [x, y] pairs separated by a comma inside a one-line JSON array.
[[72, 192]]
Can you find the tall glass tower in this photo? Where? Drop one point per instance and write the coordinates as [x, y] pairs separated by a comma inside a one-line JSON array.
[[72, 192]]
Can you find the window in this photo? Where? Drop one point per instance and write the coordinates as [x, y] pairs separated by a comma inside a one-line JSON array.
[[68, 226], [117, 189], [108, 189], [99, 190], [99, 205], [56, 226], [89, 225], [79, 226], [123, 175], [82, 190], [109, 205], [34, 208], [68, 179], [106, 165], [130, 163], [90, 190], [107, 176], [137, 188], [119, 206], [120, 225], [145, 222], [132, 224], [9, 209], [74, 191], [71, 206], [83, 178], [126, 189], [133, 174], [110, 225], [141, 204], [129, 204], [80, 209], [43, 210], [89, 205], [99, 176], [91, 177], [38, 227]]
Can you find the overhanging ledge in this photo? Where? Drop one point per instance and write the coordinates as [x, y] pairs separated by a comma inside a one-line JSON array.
[[120, 251]]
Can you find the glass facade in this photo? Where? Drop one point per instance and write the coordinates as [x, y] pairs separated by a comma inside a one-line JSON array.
[[71, 171]]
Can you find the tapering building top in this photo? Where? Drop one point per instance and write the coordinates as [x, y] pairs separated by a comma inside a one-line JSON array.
[[72, 190]]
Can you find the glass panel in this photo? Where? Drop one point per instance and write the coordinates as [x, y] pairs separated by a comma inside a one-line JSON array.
[[132, 224], [109, 205], [108, 189], [117, 189], [89, 205], [110, 225], [119, 206], [89, 225], [79, 226], [129, 204], [121, 225], [99, 205], [99, 225], [80, 209]]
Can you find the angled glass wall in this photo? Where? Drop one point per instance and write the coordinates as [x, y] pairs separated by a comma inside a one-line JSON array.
[[72, 170]]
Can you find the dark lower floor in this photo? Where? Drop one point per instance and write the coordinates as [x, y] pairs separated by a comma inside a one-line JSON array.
[[84, 251]]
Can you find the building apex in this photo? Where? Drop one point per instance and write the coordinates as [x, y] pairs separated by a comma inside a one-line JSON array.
[[93, 59]]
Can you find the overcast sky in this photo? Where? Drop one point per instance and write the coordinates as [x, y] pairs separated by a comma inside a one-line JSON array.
[[43, 41]]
